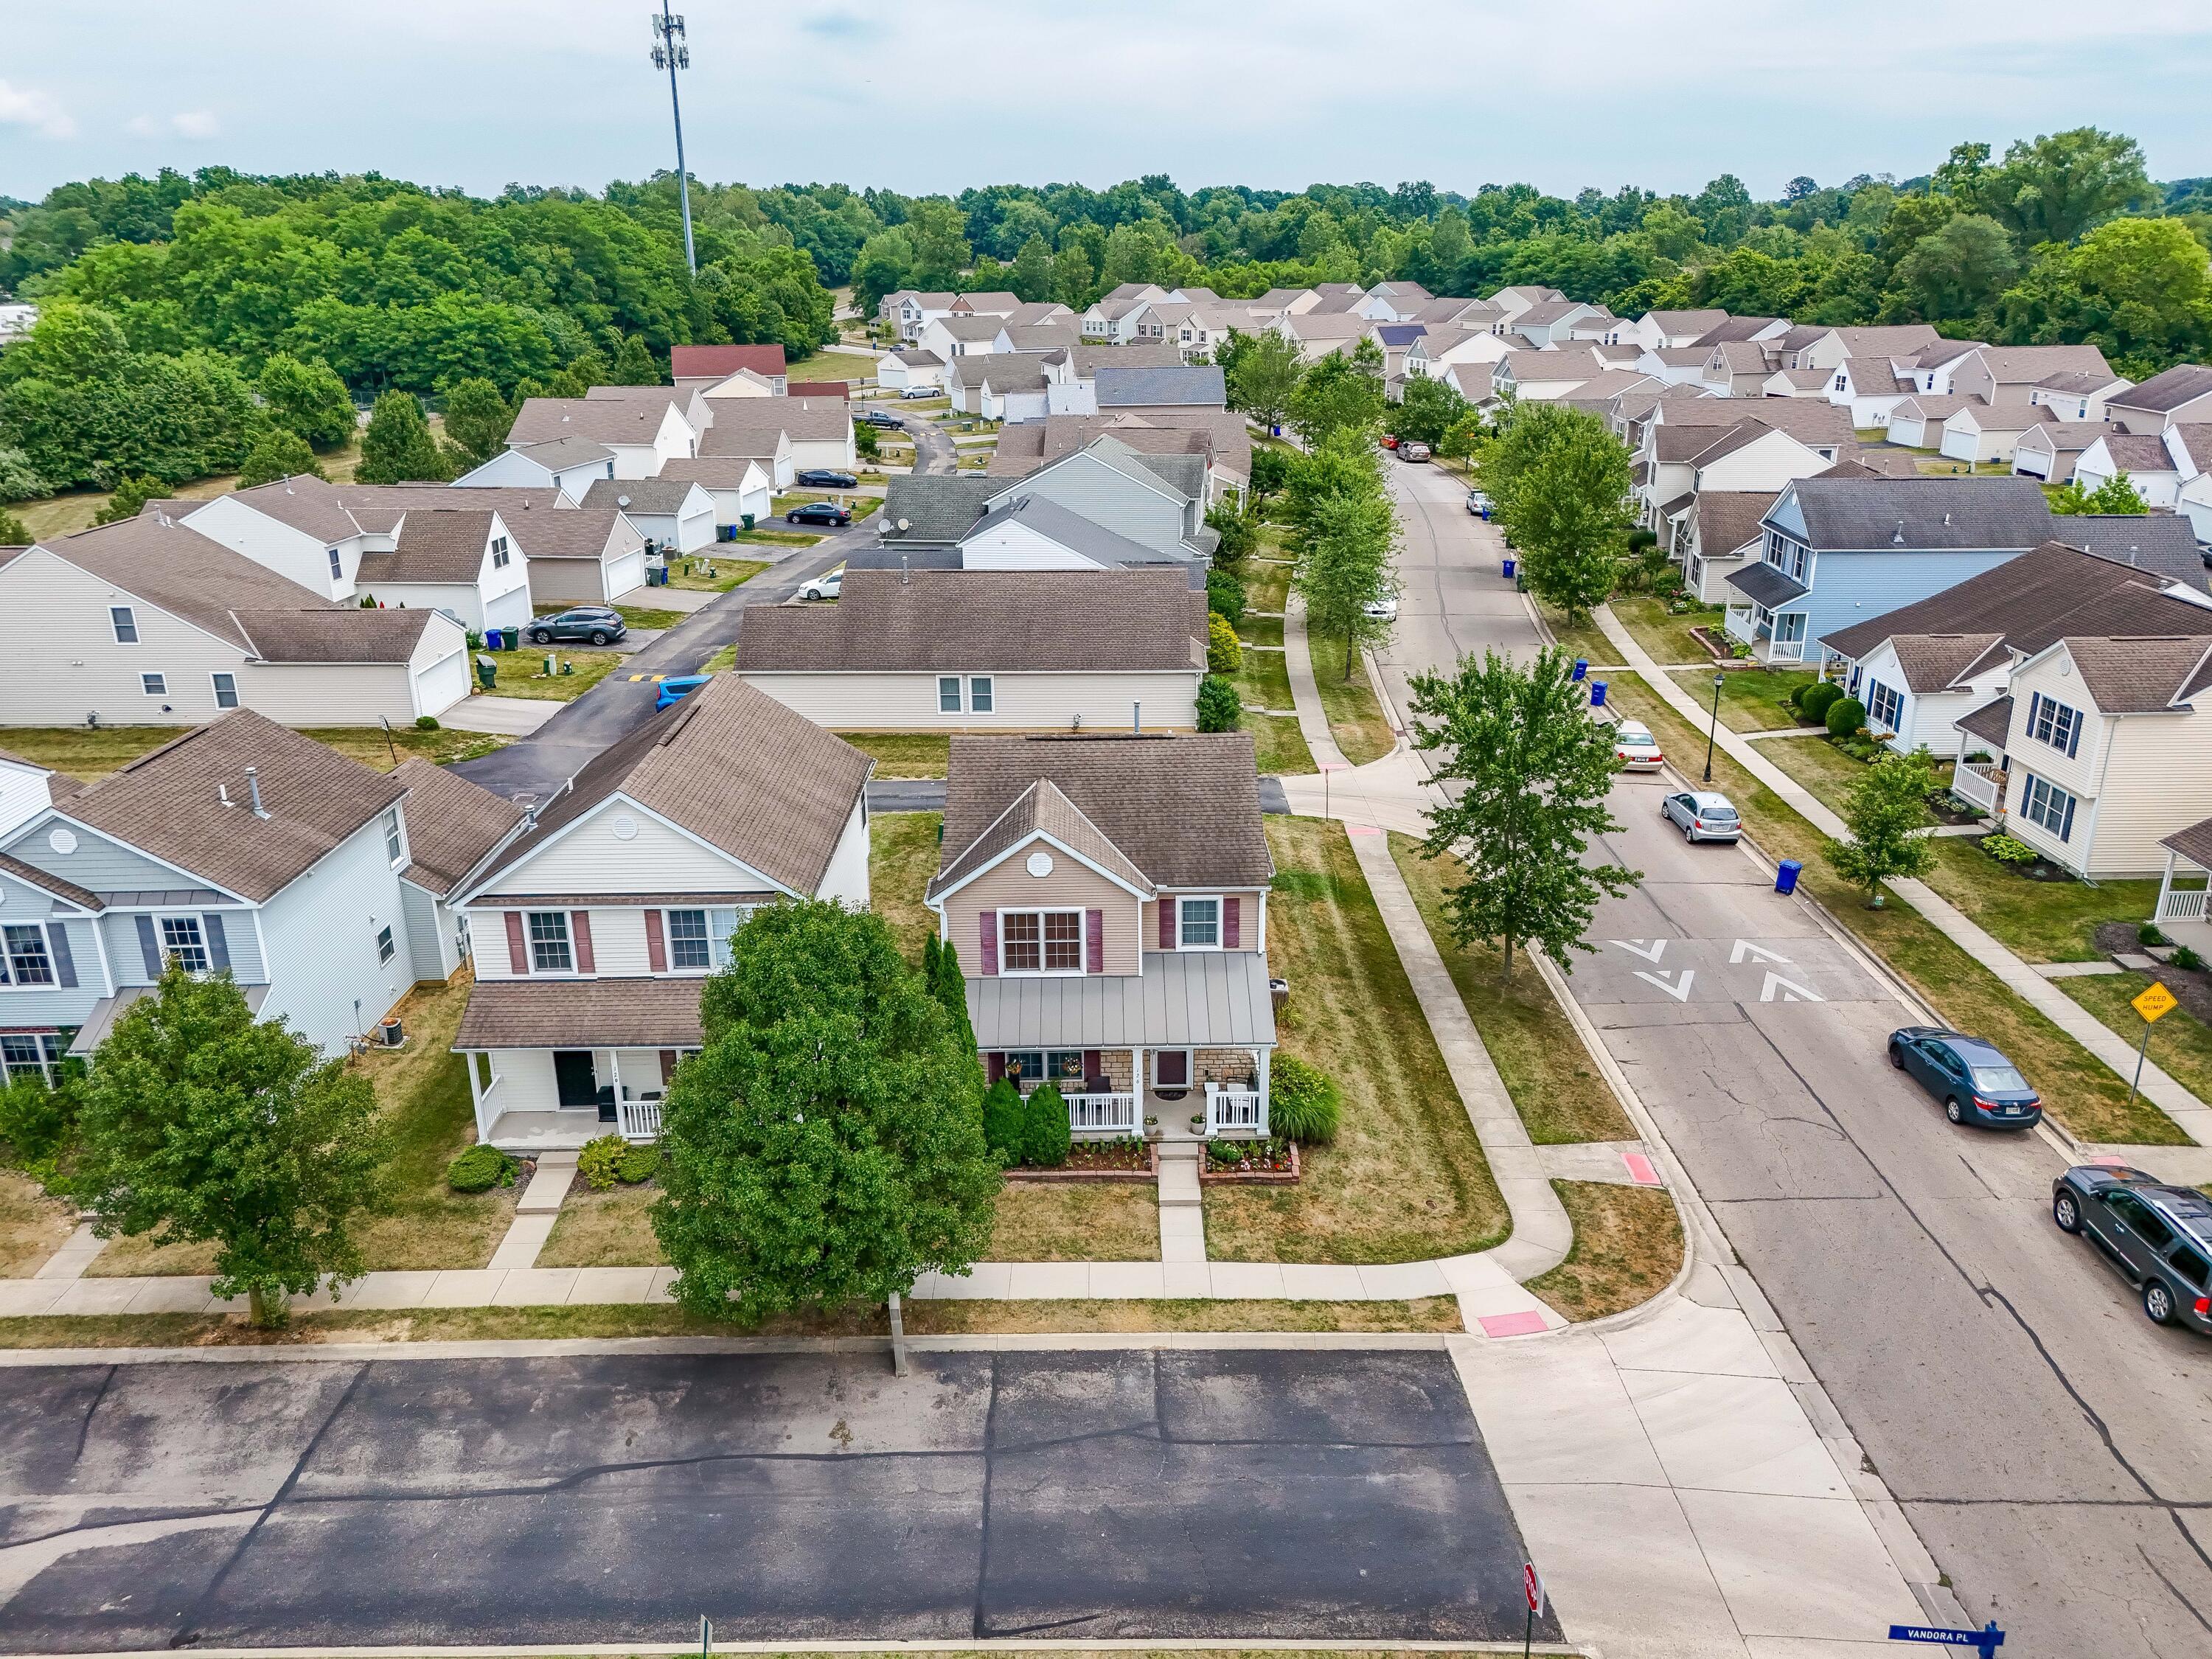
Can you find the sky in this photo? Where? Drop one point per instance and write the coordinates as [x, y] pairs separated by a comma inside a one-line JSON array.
[[937, 95]]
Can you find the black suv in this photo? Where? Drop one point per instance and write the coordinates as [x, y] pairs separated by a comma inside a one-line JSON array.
[[2158, 1237]]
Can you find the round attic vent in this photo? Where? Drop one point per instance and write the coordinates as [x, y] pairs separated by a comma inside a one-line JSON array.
[[62, 840], [621, 501], [1039, 864], [625, 827]]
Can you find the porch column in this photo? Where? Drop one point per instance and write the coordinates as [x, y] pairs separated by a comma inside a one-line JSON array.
[[1265, 1055], [1136, 1083], [476, 1090], [2166, 887]]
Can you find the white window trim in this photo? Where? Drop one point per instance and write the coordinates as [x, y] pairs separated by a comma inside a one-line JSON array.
[[387, 944], [393, 827], [161, 690], [959, 694], [1189, 1067], [1040, 911], [162, 918], [532, 970], [7, 979], [990, 684], [668, 939], [215, 689], [52, 1056], [1220, 908], [115, 624]]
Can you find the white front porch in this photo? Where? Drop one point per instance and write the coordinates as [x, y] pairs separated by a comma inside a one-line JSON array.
[[554, 1100], [1111, 1092], [2184, 903], [1980, 784], [1773, 636]]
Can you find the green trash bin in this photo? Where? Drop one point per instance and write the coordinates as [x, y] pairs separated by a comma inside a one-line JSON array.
[[487, 671], [748, 518]]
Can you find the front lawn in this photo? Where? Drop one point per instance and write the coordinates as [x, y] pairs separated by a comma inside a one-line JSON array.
[[1267, 584], [1262, 680], [1406, 1180], [729, 573], [904, 754], [1277, 746], [831, 366], [1627, 1248], [1583, 639], [902, 855], [32, 1225], [1260, 630], [2179, 1042], [1752, 699], [2076, 1086], [522, 673], [1076, 1221], [1356, 720], [604, 1230], [1665, 637], [1555, 1085], [86, 755], [641, 616]]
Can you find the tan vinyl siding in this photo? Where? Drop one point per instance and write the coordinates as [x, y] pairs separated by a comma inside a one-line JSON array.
[[1247, 919], [1071, 886], [1021, 701], [2158, 779]]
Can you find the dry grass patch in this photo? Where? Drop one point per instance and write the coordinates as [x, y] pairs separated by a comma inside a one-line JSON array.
[[904, 754], [1406, 1180], [1267, 584], [89, 755], [604, 1230], [1627, 1248], [901, 858], [1546, 1069], [1666, 636], [1076, 1221], [522, 673], [2179, 1042], [32, 1225]]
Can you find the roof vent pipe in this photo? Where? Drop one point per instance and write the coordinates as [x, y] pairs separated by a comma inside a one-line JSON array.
[[253, 788], [1137, 716], [1898, 540]]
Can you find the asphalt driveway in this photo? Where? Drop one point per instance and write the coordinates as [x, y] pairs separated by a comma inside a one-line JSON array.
[[411, 1502]]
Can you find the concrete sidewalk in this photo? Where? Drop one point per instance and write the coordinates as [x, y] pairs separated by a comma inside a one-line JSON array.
[[2190, 1113]]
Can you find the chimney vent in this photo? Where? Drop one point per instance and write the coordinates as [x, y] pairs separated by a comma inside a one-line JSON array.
[[254, 787]]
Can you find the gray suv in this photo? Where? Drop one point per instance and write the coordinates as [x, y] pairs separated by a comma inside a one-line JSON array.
[[2157, 1237]]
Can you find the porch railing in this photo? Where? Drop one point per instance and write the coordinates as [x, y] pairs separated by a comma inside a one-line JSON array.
[[638, 1120], [1978, 784], [1107, 1111], [1232, 1108], [1738, 624], [2182, 904]]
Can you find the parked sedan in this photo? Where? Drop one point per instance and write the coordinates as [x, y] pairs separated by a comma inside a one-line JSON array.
[[913, 392], [1478, 503], [1974, 1081], [1382, 610], [1635, 749], [2157, 1237], [827, 512], [822, 478], [588, 624], [1410, 450], [827, 585], [1701, 815]]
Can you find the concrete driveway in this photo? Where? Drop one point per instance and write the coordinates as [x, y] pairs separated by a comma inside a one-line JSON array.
[[408, 1503]]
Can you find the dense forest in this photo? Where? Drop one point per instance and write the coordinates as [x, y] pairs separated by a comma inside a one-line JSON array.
[[167, 299]]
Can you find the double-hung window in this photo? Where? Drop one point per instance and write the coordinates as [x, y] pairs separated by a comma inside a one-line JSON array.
[[153, 685], [226, 690], [980, 694], [337, 568], [1885, 705], [124, 621], [498, 553], [27, 962], [33, 1054], [690, 947], [948, 694], [1198, 923], [385, 949], [1041, 941], [548, 943], [181, 937], [2044, 804], [2056, 723], [395, 845]]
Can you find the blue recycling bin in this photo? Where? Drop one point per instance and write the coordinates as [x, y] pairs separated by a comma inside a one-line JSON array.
[[491, 639], [1597, 694], [1507, 568], [1581, 668], [1786, 874]]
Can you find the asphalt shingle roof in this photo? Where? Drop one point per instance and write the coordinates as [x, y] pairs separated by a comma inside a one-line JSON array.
[[1923, 513], [1201, 387]]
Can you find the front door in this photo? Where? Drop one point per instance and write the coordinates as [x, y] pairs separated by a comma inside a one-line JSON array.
[[574, 1080]]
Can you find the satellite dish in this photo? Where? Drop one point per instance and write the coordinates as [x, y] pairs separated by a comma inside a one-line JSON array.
[[904, 524]]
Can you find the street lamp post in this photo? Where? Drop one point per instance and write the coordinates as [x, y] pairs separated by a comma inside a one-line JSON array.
[[670, 53], [1713, 731]]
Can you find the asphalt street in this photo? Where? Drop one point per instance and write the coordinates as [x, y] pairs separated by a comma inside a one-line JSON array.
[[2052, 1448], [408, 1503]]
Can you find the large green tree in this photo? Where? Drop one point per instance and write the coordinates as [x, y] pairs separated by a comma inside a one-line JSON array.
[[307, 399], [1558, 482], [1342, 393], [1030, 278], [2055, 187], [941, 252], [397, 447], [1262, 371], [1345, 568], [1527, 772], [199, 1124], [279, 453], [826, 1145], [477, 419], [1427, 409]]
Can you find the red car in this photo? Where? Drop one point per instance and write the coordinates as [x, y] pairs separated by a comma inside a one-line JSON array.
[[1389, 440]]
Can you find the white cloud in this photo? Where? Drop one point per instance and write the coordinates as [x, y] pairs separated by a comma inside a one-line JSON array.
[[27, 107], [185, 123]]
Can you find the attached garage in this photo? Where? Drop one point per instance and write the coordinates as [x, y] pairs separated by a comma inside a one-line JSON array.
[[625, 574], [438, 685]]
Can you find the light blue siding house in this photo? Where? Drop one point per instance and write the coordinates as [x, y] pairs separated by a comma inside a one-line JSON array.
[[1839, 550]]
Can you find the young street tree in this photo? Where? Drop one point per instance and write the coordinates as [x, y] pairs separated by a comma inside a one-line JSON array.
[[1533, 769], [1262, 371], [1339, 393], [1346, 566], [1886, 812], [1427, 410], [204, 1125], [1558, 480], [826, 1145]]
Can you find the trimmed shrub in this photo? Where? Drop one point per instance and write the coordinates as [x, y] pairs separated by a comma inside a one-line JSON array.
[[426, 722], [1845, 717], [1224, 595], [1224, 652], [2186, 958], [1002, 1123], [1814, 700], [600, 1162], [638, 1163], [1302, 1101], [479, 1168], [1045, 1136], [2149, 933], [1219, 708]]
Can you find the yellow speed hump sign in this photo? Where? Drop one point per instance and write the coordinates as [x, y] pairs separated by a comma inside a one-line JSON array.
[[2154, 1002]]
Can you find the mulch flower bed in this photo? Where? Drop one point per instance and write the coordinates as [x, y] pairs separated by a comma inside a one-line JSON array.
[[1129, 1160], [1270, 1163], [2192, 987]]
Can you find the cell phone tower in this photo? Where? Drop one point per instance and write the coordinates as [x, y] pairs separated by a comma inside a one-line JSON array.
[[669, 52]]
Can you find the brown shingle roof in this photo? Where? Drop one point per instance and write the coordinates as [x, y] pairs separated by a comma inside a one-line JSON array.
[[2139, 452], [84, 898], [735, 767], [339, 633], [1809, 419], [432, 547], [1041, 808], [602, 420], [582, 533], [452, 824], [1010, 621], [2194, 843], [1991, 723], [166, 802], [184, 573], [2137, 675], [623, 1013], [692, 362], [1931, 662], [1728, 518], [1185, 810], [748, 426]]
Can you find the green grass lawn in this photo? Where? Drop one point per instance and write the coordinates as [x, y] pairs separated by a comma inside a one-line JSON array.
[[1263, 680], [1267, 584], [1406, 1179], [902, 856], [522, 673], [1260, 630], [832, 366], [1356, 720], [904, 754], [1752, 699], [1665, 637], [2077, 1088], [88, 755], [1279, 746], [729, 573], [722, 661], [1822, 768], [65, 514], [2179, 1040], [644, 615], [1579, 639], [1546, 1069]]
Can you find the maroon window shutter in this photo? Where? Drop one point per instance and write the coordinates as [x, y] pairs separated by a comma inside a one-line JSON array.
[[987, 928], [580, 923], [1091, 1066], [1167, 921], [1094, 941], [667, 1066], [995, 1068], [1232, 921], [656, 948], [517, 947]]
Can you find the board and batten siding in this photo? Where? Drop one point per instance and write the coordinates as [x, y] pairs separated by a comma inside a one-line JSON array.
[[320, 934], [1099, 701], [1070, 886]]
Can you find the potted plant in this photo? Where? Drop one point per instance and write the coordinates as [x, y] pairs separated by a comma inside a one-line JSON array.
[[1152, 1126], [1197, 1123]]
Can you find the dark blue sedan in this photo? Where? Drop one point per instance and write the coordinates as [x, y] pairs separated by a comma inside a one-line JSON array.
[[1972, 1078]]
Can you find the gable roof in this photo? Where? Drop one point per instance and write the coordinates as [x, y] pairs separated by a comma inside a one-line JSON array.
[[958, 326], [602, 420], [1072, 530], [2140, 674], [1930, 662], [665, 495], [2161, 543], [185, 573], [2181, 384], [733, 766], [2139, 452], [451, 824], [1903, 514], [1041, 809], [1727, 520], [583, 532], [687, 362], [1202, 385], [935, 506], [748, 426], [1002, 370], [432, 547], [165, 803], [1088, 357], [1811, 421], [1006, 621], [2025, 365]]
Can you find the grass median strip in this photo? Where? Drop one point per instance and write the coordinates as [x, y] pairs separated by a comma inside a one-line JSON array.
[[1406, 1179], [2076, 1088], [1555, 1085], [1627, 1248], [2179, 1042], [1278, 746], [1356, 720], [1583, 639]]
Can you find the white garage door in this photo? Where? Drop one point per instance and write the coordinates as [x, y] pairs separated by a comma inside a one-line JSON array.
[[442, 683], [626, 575]]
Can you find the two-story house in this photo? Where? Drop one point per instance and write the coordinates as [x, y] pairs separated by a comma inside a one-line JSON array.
[[1838, 551], [639, 432], [570, 465], [240, 848], [1107, 896], [592, 927], [702, 368]]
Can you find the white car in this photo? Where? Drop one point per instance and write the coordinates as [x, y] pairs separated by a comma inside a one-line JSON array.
[[921, 392], [825, 586], [1478, 503], [1701, 815], [1635, 749], [1382, 610]]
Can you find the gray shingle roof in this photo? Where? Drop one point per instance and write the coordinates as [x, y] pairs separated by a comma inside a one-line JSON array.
[[557, 453], [1766, 584], [1922, 514], [1072, 530], [2194, 843], [599, 420], [1202, 385], [183, 572], [337, 634], [1727, 520], [1991, 722], [936, 508], [2139, 675], [2162, 544], [2169, 390], [583, 532], [661, 495], [1040, 809], [2139, 452]]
